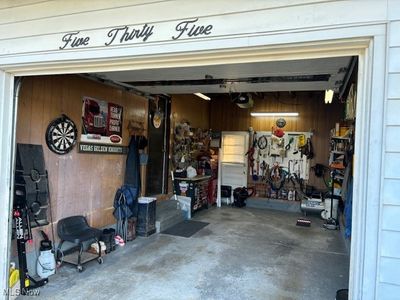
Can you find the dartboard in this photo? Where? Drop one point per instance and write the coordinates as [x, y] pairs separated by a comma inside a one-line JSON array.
[[61, 135]]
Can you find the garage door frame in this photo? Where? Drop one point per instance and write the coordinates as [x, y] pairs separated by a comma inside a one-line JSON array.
[[371, 50]]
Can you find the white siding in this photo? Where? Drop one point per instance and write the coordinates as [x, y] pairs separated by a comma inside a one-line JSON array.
[[394, 59], [391, 192], [392, 143], [392, 163], [391, 240], [390, 217], [389, 269], [393, 86], [42, 25], [394, 11], [392, 115], [19, 3], [388, 292], [389, 260], [394, 38]]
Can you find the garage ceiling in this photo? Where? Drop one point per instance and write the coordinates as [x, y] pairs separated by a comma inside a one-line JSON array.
[[295, 75]]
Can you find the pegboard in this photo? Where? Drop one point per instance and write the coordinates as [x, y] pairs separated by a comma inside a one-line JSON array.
[[292, 160]]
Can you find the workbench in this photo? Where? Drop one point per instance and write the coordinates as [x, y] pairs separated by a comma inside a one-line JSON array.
[[196, 188]]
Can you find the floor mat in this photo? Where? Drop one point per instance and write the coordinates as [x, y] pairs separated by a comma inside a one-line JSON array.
[[186, 228]]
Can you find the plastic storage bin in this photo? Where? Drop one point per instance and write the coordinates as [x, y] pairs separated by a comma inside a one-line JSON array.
[[146, 221]]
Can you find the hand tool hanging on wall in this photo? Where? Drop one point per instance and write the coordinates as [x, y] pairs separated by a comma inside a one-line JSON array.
[[301, 140], [296, 147], [290, 163], [258, 164], [256, 176], [287, 147], [263, 170], [255, 151], [262, 142], [296, 171], [251, 151], [300, 172]]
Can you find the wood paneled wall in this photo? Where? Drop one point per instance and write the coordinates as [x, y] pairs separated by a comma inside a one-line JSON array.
[[191, 108], [314, 115], [80, 183]]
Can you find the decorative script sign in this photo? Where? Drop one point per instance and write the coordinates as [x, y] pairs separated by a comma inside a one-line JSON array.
[[125, 34]]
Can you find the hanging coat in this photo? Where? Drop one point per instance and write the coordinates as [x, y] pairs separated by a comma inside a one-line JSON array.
[[132, 170]]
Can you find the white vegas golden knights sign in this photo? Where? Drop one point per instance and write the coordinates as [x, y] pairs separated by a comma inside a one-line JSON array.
[[192, 28]]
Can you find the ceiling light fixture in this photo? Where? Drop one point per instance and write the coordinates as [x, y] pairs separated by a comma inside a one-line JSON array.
[[202, 96], [274, 114], [328, 96]]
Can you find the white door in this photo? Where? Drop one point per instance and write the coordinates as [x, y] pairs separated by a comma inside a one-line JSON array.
[[233, 160]]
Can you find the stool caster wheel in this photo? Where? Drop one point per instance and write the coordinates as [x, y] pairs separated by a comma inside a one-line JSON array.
[[100, 260], [79, 268]]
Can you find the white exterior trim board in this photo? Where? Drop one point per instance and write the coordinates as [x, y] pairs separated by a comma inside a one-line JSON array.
[[281, 39], [358, 288], [7, 134]]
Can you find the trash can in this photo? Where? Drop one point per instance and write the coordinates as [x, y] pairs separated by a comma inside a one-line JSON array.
[[146, 220], [342, 294]]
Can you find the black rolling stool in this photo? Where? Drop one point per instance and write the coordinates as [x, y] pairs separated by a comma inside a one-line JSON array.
[[76, 230]]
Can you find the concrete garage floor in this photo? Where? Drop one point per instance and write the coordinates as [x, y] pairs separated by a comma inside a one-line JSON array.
[[242, 254]]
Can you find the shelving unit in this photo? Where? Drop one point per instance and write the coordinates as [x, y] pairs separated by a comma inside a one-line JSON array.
[[340, 147]]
